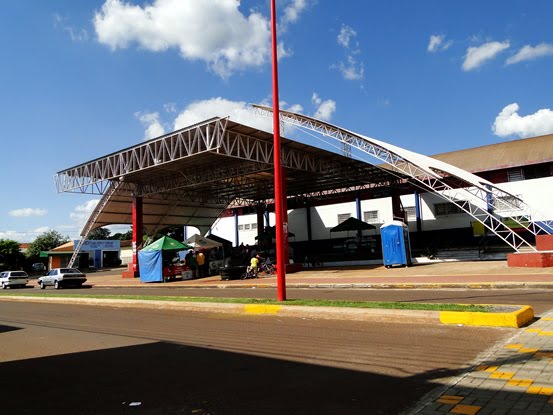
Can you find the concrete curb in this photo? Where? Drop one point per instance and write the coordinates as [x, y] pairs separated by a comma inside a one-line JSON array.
[[515, 319], [327, 313], [481, 285]]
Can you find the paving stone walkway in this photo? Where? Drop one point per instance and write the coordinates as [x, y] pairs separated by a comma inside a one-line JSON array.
[[516, 379]]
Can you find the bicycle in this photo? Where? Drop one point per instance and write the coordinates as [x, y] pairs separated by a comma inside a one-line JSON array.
[[268, 268], [250, 273]]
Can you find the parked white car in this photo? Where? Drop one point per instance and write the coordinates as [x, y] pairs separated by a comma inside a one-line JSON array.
[[62, 277], [13, 279]]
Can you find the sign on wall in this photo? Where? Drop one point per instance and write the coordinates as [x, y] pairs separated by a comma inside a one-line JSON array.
[[102, 245]]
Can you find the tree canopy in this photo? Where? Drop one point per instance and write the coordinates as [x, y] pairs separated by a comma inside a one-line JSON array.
[[9, 252], [45, 242], [99, 234]]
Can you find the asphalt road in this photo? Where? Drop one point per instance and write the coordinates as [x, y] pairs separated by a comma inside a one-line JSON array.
[[540, 300], [63, 359]]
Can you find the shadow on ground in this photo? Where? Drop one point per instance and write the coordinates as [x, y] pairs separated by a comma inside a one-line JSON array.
[[167, 378]]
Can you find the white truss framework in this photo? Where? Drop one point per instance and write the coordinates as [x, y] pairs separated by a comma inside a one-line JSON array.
[[94, 177], [473, 196]]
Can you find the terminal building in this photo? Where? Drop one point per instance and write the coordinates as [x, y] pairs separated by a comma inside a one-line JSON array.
[[438, 228]]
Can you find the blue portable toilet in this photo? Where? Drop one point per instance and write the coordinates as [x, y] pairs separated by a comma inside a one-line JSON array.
[[396, 249]]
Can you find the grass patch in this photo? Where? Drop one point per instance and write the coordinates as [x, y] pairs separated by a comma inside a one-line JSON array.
[[312, 303]]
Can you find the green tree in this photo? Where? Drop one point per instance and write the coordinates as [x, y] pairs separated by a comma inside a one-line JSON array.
[[99, 234], [10, 254], [45, 242], [127, 236]]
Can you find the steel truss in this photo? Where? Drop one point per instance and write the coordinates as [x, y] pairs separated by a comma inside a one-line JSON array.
[[210, 136], [473, 200]]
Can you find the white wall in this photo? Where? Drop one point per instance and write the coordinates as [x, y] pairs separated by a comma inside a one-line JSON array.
[[536, 192]]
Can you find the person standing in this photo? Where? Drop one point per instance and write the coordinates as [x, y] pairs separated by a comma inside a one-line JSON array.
[[190, 260], [200, 261], [254, 265]]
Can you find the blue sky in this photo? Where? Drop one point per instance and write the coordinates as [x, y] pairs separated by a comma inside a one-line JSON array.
[[82, 79]]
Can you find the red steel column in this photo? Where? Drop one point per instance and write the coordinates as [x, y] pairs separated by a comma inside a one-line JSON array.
[[281, 226], [136, 232]]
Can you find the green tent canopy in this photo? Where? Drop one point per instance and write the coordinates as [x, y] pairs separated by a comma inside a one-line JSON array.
[[166, 244]]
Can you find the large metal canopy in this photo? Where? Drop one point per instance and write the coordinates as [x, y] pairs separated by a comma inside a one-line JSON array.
[[188, 177], [472, 194]]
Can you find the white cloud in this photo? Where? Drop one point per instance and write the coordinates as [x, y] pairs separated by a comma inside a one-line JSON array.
[[345, 35], [238, 111], [26, 212], [510, 123], [151, 121], [81, 213], [76, 35], [437, 43], [170, 107], [352, 70], [528, 53], [294, 108], [477, 56], [213, 31], [325, 109], [242, 112], [24, 236], [292, 11]]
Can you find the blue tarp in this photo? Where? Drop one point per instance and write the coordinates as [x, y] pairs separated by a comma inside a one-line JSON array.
[[150, 266]]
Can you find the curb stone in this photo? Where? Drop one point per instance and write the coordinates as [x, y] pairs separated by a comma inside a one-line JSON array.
[[516, 318]]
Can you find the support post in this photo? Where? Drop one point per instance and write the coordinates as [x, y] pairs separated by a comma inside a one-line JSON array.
[[308, 220], [397, 210], [281, 226], [137, 231], [236, 238], [418, 211]]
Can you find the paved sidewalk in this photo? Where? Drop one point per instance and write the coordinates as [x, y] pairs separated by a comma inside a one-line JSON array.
[[516, 379], [480, 274]]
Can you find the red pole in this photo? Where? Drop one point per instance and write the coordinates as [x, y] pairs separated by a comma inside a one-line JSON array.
[[136, 232], [281, 227]]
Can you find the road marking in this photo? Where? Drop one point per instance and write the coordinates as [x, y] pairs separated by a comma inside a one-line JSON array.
[[465, 409], [261, 309]]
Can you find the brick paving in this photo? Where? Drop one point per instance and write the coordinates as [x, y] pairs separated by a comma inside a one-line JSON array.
[[477, 274], [516, 378]]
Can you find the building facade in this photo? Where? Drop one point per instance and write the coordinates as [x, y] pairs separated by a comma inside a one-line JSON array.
[[523, 168]]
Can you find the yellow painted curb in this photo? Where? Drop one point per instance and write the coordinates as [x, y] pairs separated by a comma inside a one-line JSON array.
[[516, 318], [261, 309]]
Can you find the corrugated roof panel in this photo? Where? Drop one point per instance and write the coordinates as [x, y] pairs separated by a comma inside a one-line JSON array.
[[504, 155]]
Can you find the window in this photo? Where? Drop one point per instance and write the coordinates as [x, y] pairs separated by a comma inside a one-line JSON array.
[[444, 209], [536, 171], [515, 175], [410, 212], [371, 216], [247, 226], [343, 216]]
